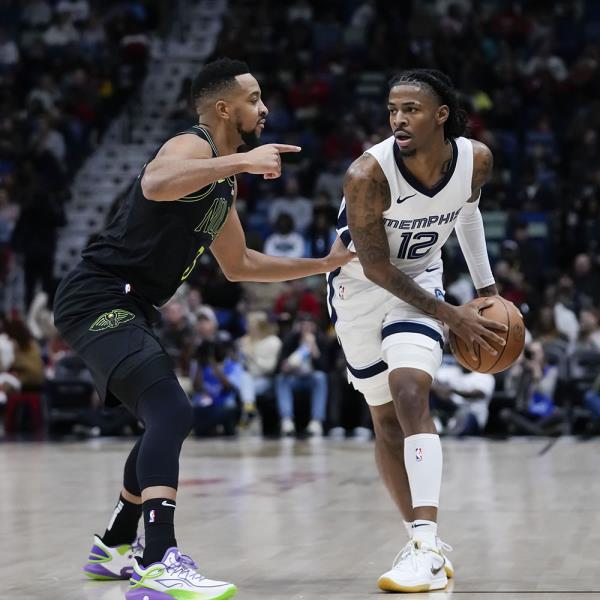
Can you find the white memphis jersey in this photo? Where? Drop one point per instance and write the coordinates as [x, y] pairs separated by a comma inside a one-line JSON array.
[[419, 220]]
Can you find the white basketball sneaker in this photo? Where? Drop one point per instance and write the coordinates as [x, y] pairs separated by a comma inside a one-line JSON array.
[[416, 568], [175, 578]]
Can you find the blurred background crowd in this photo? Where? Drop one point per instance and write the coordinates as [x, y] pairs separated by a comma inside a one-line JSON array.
[[264, 356]]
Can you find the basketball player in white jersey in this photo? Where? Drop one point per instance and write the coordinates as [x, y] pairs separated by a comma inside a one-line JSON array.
[[402, 199]]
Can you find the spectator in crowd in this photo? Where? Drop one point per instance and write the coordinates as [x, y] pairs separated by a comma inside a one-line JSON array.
[[545, 330], [61, 34], [463, 397], [27, 365], [34, 238], [510, 282], [303, 366], [36, 13], [177, 334], [260, 349], [217, 380], [563, 299], [532, 382], [586, 281], [347, 408], [321, 234], [226, 298], [297, 299], [285, 241], [529, 256], [292, 203], [207, 327], [8, 382], [589, 332], [9, 215], [9, 52]]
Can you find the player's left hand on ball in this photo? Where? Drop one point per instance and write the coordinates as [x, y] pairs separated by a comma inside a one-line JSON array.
[[338, 256]]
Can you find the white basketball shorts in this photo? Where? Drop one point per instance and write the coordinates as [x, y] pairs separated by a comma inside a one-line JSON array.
[[379, 332]]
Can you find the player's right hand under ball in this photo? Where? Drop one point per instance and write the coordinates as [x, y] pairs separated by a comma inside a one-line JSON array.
[[266, 160], [468, 324]]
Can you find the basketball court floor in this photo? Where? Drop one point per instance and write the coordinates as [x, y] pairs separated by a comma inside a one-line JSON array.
[[307, 520]]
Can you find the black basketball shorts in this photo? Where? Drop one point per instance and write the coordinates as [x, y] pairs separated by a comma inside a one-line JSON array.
[[108, 327]]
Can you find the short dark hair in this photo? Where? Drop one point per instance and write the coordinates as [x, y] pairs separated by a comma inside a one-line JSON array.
[[216, 76], [441, 86]]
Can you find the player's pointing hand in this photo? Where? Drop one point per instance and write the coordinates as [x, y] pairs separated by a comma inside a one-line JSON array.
[[266, 160]]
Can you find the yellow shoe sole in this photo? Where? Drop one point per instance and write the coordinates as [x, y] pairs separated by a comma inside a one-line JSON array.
[[389, 585]]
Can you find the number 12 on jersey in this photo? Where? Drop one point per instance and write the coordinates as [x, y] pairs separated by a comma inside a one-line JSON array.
[[421, 246]]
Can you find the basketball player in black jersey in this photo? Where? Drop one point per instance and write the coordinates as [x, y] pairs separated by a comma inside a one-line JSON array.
[[182, 204]]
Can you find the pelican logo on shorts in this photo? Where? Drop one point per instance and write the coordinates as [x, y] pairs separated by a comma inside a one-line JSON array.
[[419, 454], [111, 319]]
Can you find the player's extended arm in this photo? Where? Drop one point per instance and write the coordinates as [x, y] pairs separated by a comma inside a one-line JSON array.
[[469, 225], [367, 196], [185, 164], [240, 263]]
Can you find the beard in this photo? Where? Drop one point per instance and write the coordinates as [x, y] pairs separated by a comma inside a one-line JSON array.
[[249, 138]]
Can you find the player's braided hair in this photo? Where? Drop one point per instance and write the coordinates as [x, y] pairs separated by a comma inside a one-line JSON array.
[[216, 76], [441, 86]]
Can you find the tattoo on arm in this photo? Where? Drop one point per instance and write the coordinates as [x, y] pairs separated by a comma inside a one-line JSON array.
[[401, 285], [367, 196], [483, 166], [490, 290]]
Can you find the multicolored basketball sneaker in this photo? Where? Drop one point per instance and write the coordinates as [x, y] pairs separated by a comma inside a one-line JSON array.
[[108, 563], [175, 578]]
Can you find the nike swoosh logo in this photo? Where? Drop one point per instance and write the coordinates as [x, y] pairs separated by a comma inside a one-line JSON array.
[[431, 270], [165, 503], [420, 525], [401, 200], [436, 571]]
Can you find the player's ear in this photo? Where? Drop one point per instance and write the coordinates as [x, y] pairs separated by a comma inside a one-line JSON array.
[[443, 113], [223, 109]]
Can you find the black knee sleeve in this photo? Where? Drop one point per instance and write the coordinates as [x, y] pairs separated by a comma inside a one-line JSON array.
[[166, 413], [130, 480]]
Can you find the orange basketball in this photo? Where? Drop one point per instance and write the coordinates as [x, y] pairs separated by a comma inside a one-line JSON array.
[[505, 312]]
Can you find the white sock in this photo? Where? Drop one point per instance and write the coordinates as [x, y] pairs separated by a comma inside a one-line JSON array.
[[423, 461], [408, 526], [425, 532]]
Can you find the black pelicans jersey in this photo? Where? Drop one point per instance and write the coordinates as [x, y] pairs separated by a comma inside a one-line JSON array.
[[154, 246]]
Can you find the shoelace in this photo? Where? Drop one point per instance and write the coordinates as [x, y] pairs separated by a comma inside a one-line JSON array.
[[443, 546], [137, 548], [185, 567], [412, 550], [408, 548]]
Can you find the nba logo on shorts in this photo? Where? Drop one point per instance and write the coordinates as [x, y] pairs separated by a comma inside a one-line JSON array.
[[341, 292], [419, 454], [152, 516]]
